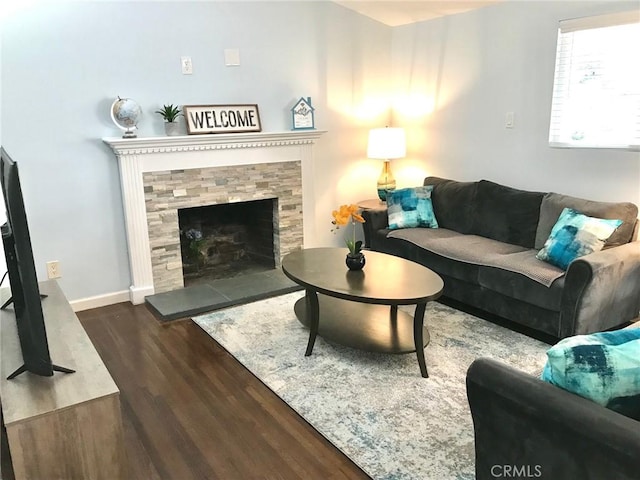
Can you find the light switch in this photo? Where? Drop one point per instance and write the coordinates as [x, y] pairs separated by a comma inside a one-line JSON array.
[[231, 57], [509, 120], [187, 66]]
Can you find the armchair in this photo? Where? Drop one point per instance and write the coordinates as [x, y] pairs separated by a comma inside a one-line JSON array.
[[527, 428]]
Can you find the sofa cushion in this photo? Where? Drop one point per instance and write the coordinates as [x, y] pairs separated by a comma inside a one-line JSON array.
[[507, 214], [454, 203], [553, 204], [410, 208], [477, 250], [521, 286], [575, 235], [399, 248], [603, 367], [465, 273]]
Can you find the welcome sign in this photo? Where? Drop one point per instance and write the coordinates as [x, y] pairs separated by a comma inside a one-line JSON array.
[[221, 118]]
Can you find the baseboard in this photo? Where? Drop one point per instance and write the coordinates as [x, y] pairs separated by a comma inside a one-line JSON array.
[[100, 300]]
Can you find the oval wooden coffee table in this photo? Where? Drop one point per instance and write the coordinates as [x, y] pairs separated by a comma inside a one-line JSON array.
[[360, 308]]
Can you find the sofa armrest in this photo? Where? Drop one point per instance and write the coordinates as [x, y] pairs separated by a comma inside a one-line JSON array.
[[601, 291], [522, 423], [374, 220]]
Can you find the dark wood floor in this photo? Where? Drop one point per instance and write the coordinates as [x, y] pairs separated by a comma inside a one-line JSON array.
[[191, 411]]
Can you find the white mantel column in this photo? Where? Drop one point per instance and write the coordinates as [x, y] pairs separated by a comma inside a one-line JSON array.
[[137, 228]]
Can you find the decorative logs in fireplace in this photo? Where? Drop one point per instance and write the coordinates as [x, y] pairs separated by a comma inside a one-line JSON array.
[[226, 240]]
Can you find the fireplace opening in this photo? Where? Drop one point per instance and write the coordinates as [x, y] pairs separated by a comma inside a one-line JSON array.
[[227, 240]]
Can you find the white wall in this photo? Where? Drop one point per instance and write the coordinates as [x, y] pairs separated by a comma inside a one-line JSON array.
[[463, 73], [63, 63]]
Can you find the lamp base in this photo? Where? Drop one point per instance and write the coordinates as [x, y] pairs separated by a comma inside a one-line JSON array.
[[386, 182], [382, 193]]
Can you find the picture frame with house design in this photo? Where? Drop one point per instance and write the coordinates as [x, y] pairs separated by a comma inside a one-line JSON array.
[[303, 115]]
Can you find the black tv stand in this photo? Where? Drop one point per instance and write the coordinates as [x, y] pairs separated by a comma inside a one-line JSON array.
[[23, 368], [10, 301]]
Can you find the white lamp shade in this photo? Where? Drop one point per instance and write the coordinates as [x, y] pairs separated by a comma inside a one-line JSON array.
[[387, 143]]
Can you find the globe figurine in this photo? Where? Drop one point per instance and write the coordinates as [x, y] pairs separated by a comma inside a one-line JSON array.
[[125, 113]]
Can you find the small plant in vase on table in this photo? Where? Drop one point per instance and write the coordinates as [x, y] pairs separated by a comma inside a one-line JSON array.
[[345, 215], [170, 113]]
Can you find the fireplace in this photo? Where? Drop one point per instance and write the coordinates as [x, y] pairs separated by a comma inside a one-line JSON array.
[[227, 240], [166, 192], [161, 175]]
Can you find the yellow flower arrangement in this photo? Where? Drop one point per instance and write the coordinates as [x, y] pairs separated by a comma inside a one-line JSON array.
[[343, 216]]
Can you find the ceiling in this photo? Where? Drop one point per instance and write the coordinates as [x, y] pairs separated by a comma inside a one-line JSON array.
[[402, 12]]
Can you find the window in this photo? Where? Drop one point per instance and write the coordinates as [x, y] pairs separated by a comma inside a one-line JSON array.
[[596, 88]]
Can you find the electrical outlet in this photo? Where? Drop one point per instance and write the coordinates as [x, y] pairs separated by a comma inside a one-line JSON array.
[[53, 269]]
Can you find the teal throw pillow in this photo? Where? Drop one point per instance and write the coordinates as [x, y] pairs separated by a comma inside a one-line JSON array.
[[410, 208], [575, 235], [603, 367]]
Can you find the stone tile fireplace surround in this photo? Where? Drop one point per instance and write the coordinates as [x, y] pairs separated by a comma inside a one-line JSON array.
[[159, 175]]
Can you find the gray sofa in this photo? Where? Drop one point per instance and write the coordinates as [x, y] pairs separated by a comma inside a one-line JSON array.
[[541, 431], [485, 248]]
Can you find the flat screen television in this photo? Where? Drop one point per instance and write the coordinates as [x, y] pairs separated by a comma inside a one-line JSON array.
[[25, 293]]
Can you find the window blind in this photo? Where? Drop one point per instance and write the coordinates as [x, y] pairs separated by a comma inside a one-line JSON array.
[[596, 88]]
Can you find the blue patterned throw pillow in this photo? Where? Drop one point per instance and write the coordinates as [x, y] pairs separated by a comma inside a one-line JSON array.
[[575, 235], [603, 367], [410, 208]]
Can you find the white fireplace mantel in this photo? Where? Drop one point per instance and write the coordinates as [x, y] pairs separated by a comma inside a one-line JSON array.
[[132, 146], [137, 156]]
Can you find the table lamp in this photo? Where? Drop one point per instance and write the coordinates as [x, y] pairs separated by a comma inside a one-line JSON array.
[[386, 143]]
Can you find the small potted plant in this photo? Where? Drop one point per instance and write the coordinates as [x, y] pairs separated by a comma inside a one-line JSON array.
[[341, 218], [170, 113]]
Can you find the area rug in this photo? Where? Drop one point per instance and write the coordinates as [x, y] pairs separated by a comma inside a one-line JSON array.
[[376, 408]]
